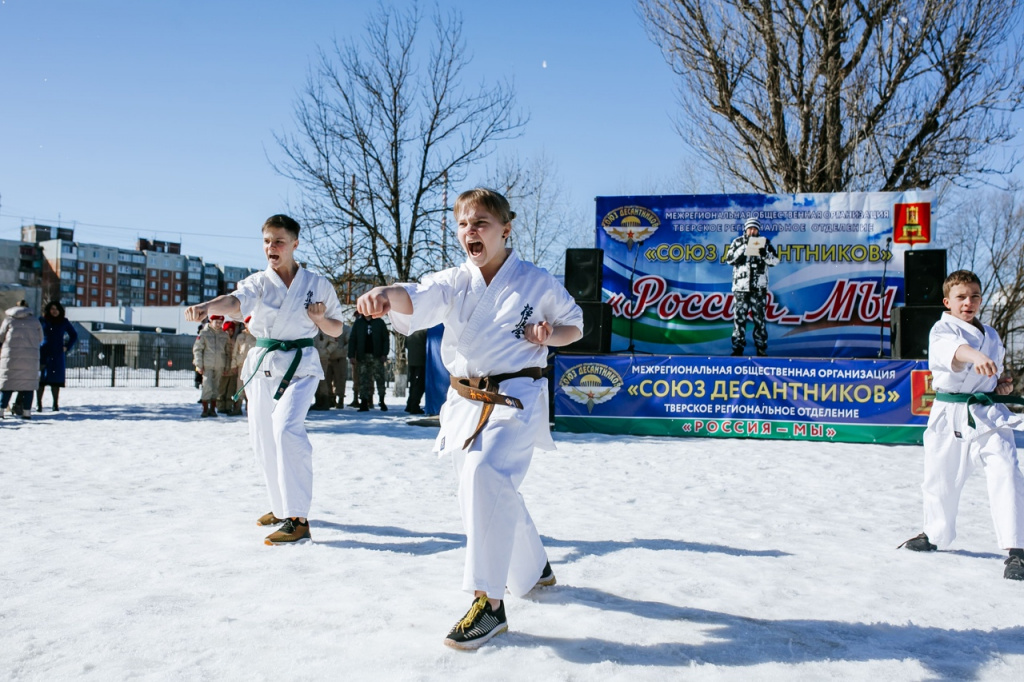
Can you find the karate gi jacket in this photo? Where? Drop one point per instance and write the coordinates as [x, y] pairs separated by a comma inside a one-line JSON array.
[[483, 336], [279, 312], [948, 334]]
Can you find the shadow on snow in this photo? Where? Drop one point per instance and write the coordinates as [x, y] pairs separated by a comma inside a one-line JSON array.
[[739, 641], [346, 422], [421, 543]]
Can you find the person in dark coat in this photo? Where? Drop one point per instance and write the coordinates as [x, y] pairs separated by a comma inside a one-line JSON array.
[[416, 353], [369, 343], [59, 337]]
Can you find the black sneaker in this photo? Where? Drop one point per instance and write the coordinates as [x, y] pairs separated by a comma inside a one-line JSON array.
[[1014, 568], [547, 577], [919, 543], [383, 407], [479, 625]]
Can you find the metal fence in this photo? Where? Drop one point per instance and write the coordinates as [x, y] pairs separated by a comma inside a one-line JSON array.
[[130, 365]]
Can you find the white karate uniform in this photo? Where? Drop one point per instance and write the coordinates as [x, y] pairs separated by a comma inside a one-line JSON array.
[[483, 336], [277, 427], [952, 448]]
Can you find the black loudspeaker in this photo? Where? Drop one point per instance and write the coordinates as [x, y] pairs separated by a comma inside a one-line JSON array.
[[584, 273], [597, 329], [923, 274], [909, 329]]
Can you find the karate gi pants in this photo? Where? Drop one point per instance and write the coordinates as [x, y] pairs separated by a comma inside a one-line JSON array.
[[277, 430], [948, 461], [503, 548]]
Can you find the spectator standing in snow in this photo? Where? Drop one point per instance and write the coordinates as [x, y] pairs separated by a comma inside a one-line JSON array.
[[229, 377], [59, 337], [369, 343], [20, 338], [210, 356], [337, 368], [244, 342], [416, 355]]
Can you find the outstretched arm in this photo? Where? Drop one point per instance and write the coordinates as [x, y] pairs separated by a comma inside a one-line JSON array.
[[379, 301], [226, 305], [983, 364], [543, 334]]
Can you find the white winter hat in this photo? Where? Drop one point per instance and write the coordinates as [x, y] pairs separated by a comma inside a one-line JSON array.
[[752, 222]]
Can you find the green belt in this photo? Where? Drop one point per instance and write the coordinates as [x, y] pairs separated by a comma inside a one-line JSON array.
[[273, 344], [978, 398]]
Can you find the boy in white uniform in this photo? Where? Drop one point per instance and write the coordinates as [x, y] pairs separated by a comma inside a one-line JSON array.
[[968, 426], [288, 304], [499, 315]]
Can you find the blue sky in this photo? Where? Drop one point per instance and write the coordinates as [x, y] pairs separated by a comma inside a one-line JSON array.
[[130, 119]]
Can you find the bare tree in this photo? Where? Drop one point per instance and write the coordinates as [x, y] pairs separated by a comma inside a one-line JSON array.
[[378, 131], [837, 95], [985, 234], [547, 220]]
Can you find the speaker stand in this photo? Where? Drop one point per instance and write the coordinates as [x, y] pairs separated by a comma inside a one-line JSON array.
[[881, 301], [631, 349]]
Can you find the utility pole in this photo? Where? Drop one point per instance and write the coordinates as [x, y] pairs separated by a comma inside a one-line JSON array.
[[444, 223], [351, 234]]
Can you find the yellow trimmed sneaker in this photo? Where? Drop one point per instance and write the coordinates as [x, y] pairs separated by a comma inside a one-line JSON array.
[[478, 625], [291, 532], [547, 577], [268, 519]]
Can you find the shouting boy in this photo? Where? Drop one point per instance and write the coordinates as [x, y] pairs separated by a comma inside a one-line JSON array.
[[500, 314]]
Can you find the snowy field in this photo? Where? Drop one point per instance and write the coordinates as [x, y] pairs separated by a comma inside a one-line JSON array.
[[131, 552]]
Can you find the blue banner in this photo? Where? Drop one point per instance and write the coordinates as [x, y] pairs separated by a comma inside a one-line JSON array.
[[671, 290], [832, 400]]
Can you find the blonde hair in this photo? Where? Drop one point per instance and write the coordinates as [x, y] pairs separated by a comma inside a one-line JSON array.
[[489, 200], [959, 277]]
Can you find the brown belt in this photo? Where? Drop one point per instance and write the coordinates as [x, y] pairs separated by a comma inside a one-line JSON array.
[[485, 390]]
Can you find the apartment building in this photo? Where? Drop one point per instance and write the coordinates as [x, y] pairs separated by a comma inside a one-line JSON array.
[[21, 263], [155, 273]]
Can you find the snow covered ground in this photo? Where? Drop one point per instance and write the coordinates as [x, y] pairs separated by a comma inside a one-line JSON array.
[[131, 552]]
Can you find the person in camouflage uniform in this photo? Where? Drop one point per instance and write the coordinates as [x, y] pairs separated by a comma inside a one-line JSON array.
[[229, 378], [244, 341], [750, 287], [325, 345], [210, 355], [369, 344], [336, 369]]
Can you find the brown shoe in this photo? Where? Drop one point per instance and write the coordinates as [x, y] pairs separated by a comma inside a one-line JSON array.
[[292, 531], [268, 519]]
